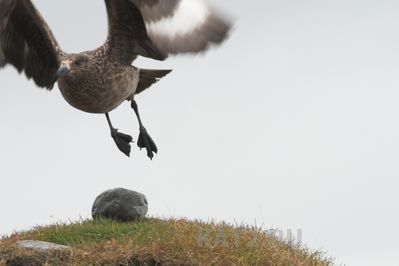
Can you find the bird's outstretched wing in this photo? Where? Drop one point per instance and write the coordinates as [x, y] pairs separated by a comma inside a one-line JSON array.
[[27, 43], [159, 28]]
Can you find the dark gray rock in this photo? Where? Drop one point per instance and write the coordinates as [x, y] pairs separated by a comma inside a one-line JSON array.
[[120, 204], [40, 245]]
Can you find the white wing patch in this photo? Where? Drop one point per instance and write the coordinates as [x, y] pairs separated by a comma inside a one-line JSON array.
[[189, 15], [192, 28]]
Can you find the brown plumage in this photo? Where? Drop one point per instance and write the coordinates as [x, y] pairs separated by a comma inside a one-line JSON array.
[[98, 81]]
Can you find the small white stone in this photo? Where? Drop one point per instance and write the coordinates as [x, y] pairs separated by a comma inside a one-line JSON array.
[[41, 245]]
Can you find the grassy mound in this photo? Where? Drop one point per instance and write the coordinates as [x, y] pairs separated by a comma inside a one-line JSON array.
[[157, 242]]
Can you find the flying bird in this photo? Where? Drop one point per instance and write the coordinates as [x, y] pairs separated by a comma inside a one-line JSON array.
[[100, 80]]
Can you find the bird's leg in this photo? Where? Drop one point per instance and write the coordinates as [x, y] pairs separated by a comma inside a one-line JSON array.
[[144, 141], [121, 140]]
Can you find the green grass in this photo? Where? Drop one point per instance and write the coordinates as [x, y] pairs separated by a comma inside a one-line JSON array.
[[158, 241]]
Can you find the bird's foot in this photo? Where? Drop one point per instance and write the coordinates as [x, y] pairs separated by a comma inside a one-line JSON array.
[[145, 141], [122, 141]]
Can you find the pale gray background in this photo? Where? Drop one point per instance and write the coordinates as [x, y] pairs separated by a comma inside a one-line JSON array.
[[293, 123]]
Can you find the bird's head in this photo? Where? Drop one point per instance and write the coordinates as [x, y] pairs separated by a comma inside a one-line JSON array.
[[72, 65]]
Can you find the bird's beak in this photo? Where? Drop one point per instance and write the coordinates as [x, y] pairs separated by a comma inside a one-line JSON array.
[[63, 70]]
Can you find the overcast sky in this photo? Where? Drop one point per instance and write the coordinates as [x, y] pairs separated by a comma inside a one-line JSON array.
[[292, 123]]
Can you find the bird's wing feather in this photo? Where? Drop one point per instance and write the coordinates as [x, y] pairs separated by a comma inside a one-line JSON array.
[[148, 77], [27, 43], [127, 34], [158, 28], [183, 26], [156, 10]]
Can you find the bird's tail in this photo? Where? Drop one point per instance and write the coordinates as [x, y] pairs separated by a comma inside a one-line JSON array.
[[149, 77]]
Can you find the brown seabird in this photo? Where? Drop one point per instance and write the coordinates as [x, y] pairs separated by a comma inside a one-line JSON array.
[[98, 81]]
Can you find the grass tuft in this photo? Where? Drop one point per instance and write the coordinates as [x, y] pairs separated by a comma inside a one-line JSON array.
[[157, 241]]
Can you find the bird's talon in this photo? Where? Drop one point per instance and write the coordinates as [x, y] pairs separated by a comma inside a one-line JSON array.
[[122, 141], [145, 141]]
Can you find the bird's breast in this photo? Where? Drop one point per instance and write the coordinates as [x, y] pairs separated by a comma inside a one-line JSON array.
[[99, 93]]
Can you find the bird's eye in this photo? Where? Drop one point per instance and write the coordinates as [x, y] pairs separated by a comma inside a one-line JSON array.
[[79, 61]]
